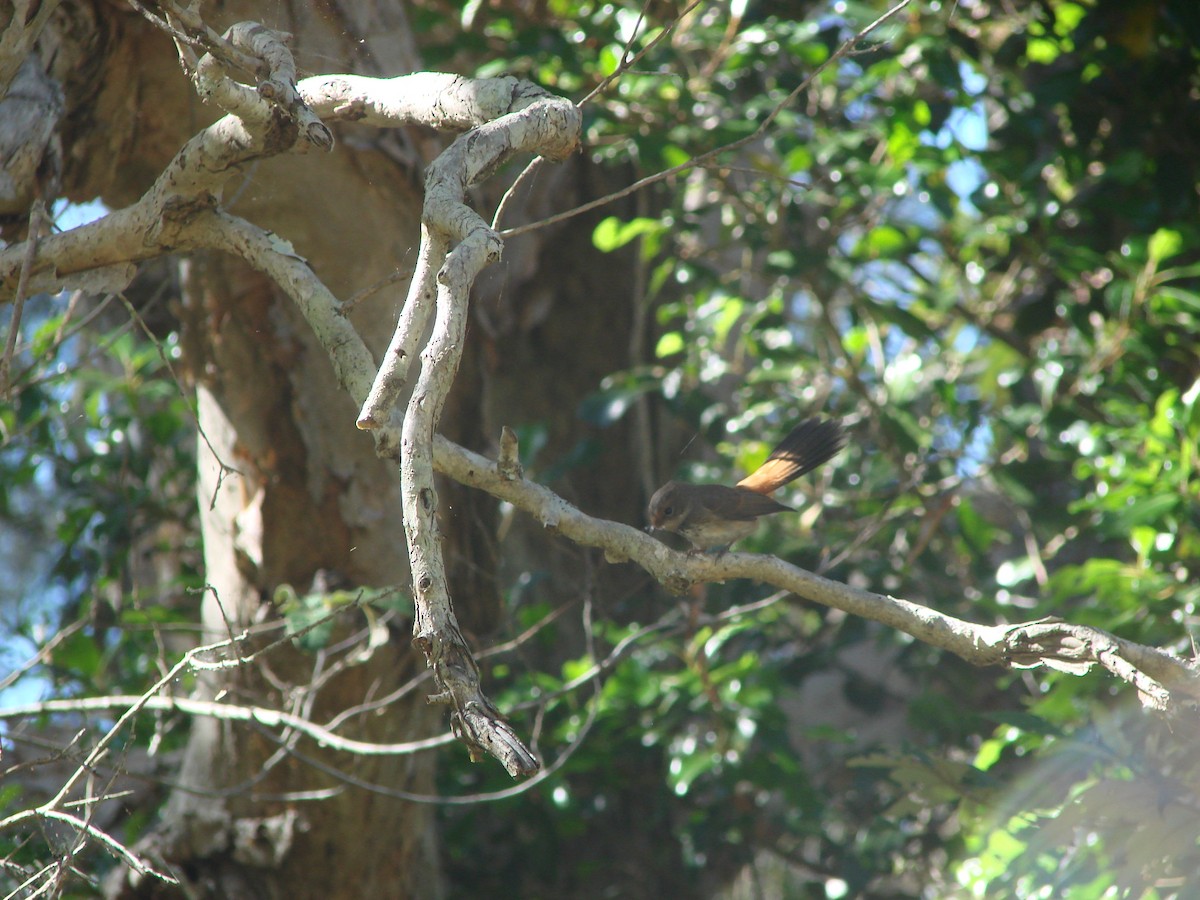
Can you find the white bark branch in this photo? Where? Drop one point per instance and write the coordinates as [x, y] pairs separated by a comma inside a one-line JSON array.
[[1162, 679], [119, 850], [191, 183], [414, 321], [507, 116], [439, 101], [546, 126], [229, 712], [180, 213]]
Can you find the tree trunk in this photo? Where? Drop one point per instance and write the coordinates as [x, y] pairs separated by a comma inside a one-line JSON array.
[[287, 487], [289, 491], [308, 494]]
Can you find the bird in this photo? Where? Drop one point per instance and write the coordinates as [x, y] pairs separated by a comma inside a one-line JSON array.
[[714, 517]]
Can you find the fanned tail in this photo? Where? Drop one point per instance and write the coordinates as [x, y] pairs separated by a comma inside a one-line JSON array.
[[806, 446]]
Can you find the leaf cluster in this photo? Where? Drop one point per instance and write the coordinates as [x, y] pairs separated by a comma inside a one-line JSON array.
[[974, 240]]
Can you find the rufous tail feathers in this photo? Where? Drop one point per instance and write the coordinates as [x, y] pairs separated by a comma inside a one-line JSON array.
[[806, 446]]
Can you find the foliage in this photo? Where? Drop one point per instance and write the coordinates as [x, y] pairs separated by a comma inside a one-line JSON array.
[[974, 239], [311, 617], [97, 510], [98, 432]]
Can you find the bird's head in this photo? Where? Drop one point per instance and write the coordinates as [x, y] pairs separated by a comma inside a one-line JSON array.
[[668, 507]]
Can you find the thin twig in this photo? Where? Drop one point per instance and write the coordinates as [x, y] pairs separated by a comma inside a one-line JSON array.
[[188, 397], [766, 123], [627, 61], [469, 799], [226, 712], [37, 212], [626, 64]]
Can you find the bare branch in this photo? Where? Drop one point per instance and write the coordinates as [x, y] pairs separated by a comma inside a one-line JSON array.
[[1162, 679], [188, 185], [51, 809], [455, 244], [506, 117], [268, 253], [118, 849], [411, 328], [229, 712], [436, 100]]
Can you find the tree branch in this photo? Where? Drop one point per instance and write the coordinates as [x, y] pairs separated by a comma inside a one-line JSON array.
[[1163, 680], [228, 712], [551, 128], [114, 846], [507, 116]]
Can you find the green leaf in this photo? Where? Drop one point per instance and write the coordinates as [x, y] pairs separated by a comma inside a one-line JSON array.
[[902, 143], [1041, 50], [610, 58], [1164, 244], [78, 654], [884, 241], [977, 530], [1152, 510], [669, 344], [674, 155], [612, 234]]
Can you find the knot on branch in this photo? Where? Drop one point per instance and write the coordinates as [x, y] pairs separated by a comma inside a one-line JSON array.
[[480, 247], [677, 584], [508, 463], [274, 89], [561, 123], [1050, 642], [177, 212], [262, 51], [474, 719], [1076, 648]]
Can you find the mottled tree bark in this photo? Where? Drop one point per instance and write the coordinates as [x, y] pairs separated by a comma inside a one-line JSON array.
[[287, 487], [304, 490]]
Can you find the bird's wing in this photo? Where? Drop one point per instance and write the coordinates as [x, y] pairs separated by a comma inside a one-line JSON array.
[[737, 504]]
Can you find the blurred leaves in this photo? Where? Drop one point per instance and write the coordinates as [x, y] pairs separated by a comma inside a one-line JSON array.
[[977, 244], [311, 617], [975, 241]]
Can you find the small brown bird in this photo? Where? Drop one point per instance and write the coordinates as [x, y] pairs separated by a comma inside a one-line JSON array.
[[712, 516]]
